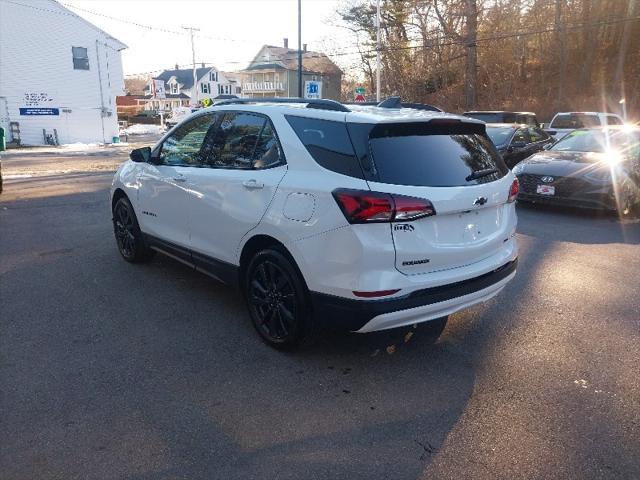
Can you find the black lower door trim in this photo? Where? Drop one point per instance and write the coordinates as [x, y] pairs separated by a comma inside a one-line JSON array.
[[223, 271]]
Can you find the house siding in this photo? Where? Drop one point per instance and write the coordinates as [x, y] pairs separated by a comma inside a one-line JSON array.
[[36, 57]]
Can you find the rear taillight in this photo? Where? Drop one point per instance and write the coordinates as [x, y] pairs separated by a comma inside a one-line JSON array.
[[513, 191], [362, 206]]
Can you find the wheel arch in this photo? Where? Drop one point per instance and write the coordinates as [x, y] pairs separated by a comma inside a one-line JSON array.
[[260, 242], [118, 193]]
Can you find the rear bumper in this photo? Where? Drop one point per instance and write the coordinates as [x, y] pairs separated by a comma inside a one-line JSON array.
[[418, 306]]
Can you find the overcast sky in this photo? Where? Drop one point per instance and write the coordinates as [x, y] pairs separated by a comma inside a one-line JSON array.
[[231, 31]]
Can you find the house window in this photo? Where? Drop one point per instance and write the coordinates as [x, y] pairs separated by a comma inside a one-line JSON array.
[[219, 89], [205, 88], [276, 77], [314, 78], [213, 76], [80, 58], [227, 89], [173, 88]]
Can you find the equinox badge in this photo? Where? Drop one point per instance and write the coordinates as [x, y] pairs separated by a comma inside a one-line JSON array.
[[480, 201]]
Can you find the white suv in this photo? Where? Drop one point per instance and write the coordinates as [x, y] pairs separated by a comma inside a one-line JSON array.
[[565, 122], [362, 217]]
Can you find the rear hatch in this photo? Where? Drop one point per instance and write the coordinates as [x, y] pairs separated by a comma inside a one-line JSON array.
[[454, 166]]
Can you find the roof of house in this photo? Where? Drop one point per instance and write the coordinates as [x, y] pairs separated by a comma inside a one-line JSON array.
[[183, 76], [288, 58], [118, 44]]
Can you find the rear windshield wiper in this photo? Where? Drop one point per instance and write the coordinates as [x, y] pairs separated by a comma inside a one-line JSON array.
[[481, 173]]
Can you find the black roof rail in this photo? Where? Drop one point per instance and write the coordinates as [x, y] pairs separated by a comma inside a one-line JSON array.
[[320, 104], [395, 102]]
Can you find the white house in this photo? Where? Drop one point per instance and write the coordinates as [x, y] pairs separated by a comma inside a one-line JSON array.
[[58, 73], [178, 87]]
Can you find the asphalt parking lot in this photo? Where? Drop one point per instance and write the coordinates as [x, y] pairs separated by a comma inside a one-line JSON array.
[[110, 370]]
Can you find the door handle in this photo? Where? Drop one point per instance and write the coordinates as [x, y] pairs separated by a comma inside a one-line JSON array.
[[253, 183], [180, 179]]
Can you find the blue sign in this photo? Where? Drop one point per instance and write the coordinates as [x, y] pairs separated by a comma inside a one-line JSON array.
[[39, 111], [312, 89]]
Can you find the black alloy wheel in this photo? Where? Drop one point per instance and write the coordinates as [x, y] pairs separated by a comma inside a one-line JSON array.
[[277, 300], [128, 235]]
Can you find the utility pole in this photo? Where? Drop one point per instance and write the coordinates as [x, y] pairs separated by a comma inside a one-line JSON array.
[[194, 95], [378, 53], [300, 48]]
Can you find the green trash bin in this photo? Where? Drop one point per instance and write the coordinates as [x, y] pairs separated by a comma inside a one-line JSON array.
[[3, 140]]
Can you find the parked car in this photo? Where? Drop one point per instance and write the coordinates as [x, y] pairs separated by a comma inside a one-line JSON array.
[[591, 168], [517, 142], [565, 122], [500, 116], [362, 218]]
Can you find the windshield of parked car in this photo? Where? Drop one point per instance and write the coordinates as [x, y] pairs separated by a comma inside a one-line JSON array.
[[499, 135], [599, 141], [575, 120]]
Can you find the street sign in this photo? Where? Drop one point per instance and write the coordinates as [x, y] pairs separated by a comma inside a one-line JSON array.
[[360, 98], [360, 91], [39, 111], [312, 89]]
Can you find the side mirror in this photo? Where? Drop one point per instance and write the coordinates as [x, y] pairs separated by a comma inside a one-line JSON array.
[[140, 155], [543, 125], [551, 132]]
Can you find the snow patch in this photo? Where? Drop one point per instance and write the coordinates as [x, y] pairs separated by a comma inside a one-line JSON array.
[[141, 129], [81, 146]]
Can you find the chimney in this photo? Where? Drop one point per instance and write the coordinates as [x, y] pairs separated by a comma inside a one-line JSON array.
[[286, 42], [177, 67], [304, 47]]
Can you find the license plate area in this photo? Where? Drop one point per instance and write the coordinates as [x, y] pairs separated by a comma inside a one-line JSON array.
[[546, 190]]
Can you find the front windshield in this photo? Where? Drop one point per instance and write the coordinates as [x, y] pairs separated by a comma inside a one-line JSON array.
[[598, 141], [499, 135]]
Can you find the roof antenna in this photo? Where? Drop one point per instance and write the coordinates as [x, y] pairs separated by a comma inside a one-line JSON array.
[[391, 102]]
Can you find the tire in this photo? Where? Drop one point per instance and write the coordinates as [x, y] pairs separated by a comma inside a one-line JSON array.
[[277, 298], [434, 328], [129, 238]]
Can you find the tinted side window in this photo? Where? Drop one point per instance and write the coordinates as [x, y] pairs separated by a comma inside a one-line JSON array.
[[611, 120], [235, 140], [328, 143], [267, 153], [184, 146]]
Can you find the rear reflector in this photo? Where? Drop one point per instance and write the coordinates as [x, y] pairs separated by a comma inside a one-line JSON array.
[[364, 206], [513, 191], [379, 293]]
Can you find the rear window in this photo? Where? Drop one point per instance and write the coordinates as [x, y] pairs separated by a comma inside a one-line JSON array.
[[428, 154], [328, 143], [575, 120]]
